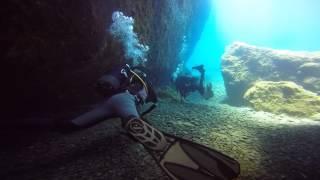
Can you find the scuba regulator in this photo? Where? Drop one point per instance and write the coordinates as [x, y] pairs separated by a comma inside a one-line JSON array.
[[120, 79]]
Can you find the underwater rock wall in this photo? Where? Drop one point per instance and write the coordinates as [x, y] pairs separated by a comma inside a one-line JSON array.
[[243, 65], [53, 51], [283, 97]]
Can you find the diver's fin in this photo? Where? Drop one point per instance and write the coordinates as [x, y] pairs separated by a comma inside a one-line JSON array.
[[184, 159], [200, 68]]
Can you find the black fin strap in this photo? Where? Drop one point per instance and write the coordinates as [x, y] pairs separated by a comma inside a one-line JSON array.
[[148, 110]]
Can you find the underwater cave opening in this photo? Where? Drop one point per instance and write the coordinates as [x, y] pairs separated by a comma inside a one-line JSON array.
[[286, 24]]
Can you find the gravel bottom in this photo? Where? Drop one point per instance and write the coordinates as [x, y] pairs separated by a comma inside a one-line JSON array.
[[266, 145]]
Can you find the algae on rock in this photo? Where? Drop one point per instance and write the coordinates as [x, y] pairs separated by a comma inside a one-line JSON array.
[[283, 97], [243, 64]]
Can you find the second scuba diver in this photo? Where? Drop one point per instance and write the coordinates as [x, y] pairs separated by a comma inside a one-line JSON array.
[[186, 84]]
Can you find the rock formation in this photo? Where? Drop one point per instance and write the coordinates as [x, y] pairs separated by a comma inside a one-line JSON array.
[[243, 65], [53, 51], [283, 97]]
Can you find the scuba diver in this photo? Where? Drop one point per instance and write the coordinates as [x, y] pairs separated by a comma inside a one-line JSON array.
[[125, 90], [186, 84]]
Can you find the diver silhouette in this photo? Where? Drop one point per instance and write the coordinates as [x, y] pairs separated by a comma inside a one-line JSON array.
[[186, 84], [125, 90]]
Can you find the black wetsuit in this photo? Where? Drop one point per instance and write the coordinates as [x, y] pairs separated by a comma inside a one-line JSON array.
[[186, 84], [122, 104]]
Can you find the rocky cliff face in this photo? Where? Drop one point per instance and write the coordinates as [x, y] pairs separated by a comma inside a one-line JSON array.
[[283, 97], [55, 50], [243, 65]]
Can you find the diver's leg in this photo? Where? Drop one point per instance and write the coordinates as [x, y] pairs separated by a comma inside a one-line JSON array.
[[87, 119], [146, 134], [201, 85], [182, 95], [94, 116], [124, 105]]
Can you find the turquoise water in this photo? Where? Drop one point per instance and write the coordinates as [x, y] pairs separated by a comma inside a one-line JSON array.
[[278, 24]]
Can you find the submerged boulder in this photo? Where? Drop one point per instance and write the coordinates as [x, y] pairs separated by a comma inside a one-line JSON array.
[[283, 97], [243, 64]]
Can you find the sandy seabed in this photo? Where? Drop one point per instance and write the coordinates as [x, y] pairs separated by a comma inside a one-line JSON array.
[[267, 146]]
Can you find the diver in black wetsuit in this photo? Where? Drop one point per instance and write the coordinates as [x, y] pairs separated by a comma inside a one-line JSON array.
[[186, 84], [125, 90]]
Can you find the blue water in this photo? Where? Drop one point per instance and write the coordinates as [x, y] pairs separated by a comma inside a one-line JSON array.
[[279, 24]]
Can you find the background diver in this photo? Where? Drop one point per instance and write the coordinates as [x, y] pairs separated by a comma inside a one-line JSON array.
[[185, 84], [125, 90]]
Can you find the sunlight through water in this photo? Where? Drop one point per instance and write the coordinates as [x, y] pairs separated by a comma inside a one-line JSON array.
[[285, 24]]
